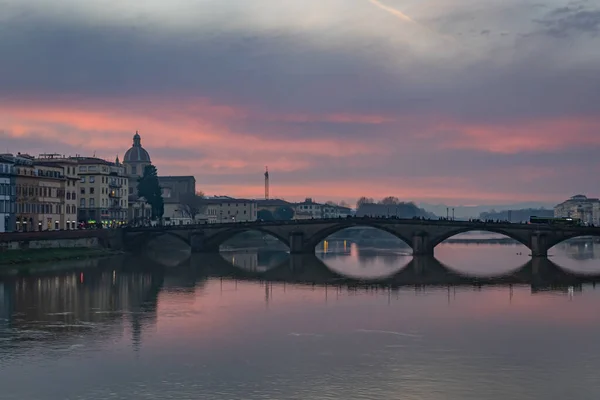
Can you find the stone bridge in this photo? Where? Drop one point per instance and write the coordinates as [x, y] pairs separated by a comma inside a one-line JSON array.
[[303, 236]]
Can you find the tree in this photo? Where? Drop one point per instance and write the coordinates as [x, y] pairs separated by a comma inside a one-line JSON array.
[[265, 215], [344, 204], [364, 200], [283, 213], [192, 204], [390, 200], [149, 189]]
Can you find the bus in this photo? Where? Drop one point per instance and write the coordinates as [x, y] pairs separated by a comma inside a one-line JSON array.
[[568, 221]]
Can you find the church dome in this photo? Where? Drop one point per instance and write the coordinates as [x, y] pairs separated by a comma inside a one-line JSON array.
[[136, 154]]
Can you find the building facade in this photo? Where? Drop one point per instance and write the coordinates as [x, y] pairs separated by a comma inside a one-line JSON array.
[[103, 192], [135, 160], [309, 208], [71, 188], [8, 192], [229, 210], [40, 195], [581, 207], [335, 211]]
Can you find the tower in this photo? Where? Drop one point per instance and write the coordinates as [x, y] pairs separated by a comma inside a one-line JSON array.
[[266, 183]]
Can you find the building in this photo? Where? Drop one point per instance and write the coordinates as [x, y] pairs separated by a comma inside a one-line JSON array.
[[272, 205], [335, 211], [103, 191], [309, 208], [135, 160], [71, 188], [40, 195], [224, 209], [174, 188], [8, 192], [580, 207]]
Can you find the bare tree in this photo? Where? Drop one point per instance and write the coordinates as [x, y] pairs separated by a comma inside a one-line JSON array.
[[364, 200], [344, 204], [390, 200], [192, 204]]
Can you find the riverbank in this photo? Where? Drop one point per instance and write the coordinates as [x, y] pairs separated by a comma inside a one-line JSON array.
[[17, 258]]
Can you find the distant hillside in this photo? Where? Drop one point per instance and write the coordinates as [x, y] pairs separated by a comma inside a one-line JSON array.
[[516, 215]]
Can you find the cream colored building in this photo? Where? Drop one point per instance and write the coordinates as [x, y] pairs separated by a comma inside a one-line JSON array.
[[71, 187], [229, 210], [41, 195], [587, 210], [103, 191]]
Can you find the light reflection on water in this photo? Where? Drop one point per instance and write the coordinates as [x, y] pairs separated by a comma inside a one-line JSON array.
[[172, 328]]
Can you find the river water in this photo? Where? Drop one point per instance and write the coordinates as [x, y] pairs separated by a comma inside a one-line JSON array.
[[354, 322]]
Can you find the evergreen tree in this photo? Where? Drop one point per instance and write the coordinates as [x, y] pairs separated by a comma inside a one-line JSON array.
[[149, 189]]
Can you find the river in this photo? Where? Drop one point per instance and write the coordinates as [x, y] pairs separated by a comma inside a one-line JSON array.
[[480, 321]]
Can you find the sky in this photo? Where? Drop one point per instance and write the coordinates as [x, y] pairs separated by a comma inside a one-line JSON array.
[[439, 101]]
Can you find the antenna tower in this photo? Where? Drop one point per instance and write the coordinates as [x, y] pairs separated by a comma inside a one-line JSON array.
[[266, 183]]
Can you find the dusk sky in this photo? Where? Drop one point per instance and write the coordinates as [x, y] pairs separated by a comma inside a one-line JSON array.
[[454, 101]]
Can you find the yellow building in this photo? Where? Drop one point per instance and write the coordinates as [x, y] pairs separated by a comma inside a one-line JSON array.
[[40, 195], [71, 188], [227, 209], [103, 191]]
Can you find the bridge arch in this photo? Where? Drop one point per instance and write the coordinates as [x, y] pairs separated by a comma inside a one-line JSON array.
[[218, 239], [487, 228], [154, 235], [323, 234], [558, 240]]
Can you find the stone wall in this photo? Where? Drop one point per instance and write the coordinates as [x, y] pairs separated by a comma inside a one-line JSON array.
[[50, 244]]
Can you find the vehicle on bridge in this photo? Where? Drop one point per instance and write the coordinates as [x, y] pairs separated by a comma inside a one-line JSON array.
[[555, 221]]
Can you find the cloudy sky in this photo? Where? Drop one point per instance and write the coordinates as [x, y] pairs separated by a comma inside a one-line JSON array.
[[455, 101]]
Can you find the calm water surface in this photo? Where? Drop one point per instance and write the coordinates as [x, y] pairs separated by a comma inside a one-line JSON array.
[[354, 322]]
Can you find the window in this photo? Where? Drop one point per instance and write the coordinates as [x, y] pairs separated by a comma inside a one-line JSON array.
[[92, 202], [82, 203], [73, 197], [92, 179], [91, 190], [82, 190], [68, 196], [82, 179], [133, 170], [82, 168]]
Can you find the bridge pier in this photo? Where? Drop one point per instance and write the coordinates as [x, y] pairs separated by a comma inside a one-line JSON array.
[[422, 245], [297, 243], [539, 245], [198, 243]]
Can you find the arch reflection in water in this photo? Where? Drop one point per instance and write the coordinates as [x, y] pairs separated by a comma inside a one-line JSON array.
[[364, 262], [540, 273], [256, 260]]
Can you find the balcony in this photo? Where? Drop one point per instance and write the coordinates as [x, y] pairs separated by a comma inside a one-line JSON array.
[[114, 194], [114, 184]]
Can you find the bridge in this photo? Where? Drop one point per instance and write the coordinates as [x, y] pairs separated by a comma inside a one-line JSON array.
[[303, 236]]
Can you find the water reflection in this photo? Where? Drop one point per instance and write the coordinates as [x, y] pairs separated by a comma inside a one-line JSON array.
[[204, 326], [175, 325], [370, 263], [579, 254]]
